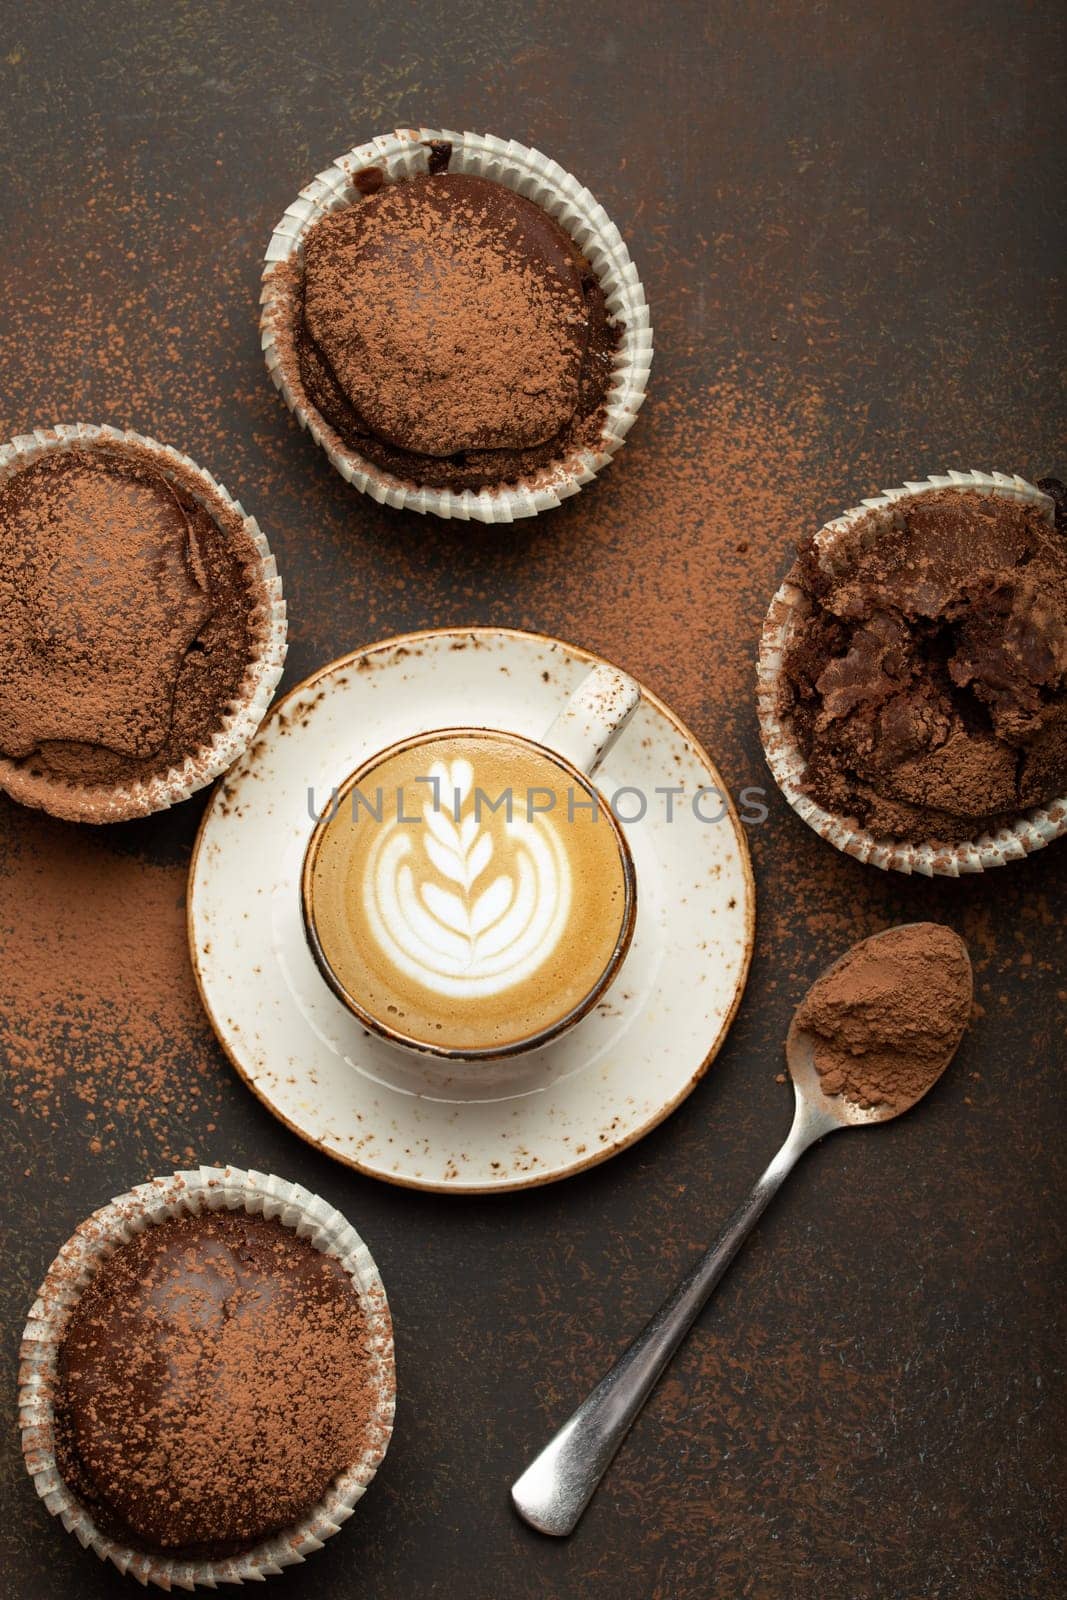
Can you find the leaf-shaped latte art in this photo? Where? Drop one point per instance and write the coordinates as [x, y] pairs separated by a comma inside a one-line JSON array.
[[464, 903]]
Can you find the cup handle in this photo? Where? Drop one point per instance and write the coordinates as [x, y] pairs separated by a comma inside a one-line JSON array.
[[593, 718]]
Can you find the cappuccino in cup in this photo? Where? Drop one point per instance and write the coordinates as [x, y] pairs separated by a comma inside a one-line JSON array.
[[469, 893]]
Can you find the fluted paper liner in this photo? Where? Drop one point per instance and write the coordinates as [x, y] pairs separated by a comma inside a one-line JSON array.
[[1031, 831], [118, 802], [206, 1189], [405, 154]]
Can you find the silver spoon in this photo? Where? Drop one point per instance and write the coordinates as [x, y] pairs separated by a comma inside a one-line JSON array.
[[559, 1483]]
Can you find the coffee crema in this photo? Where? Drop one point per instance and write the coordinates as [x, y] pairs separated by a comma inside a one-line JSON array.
[[468, 892]]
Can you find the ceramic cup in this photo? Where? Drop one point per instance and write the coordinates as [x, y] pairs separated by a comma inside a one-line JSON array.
[[467, 892]]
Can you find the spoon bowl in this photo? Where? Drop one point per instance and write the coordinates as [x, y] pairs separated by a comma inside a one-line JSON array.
[[800, 1045]]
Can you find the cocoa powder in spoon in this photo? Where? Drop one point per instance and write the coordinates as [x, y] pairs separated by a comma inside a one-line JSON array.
[[888, 1015]]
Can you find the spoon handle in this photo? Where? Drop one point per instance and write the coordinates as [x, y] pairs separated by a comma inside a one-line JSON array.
[[559, 1483]]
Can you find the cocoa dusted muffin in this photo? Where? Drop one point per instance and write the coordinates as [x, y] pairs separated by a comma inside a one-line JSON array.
[[130, 612], [213, 1380], [450, 331], [926, 678]]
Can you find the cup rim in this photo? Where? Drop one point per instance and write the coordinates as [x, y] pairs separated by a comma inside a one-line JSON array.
[[406, 1041]]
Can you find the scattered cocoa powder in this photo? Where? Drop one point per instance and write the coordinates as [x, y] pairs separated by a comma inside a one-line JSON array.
[[131, 285], [888, 1016], [214, 1378], [102, 1035]]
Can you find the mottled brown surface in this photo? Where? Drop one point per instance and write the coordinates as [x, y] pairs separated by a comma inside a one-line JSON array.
[[849, 224], [214, 1379]]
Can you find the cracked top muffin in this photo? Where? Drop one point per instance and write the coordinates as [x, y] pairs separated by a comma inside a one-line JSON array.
[[925, 679]]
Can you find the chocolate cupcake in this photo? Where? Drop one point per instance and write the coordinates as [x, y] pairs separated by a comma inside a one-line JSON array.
[[457, 323], [208, 1377], [141, 624], [913, 676]]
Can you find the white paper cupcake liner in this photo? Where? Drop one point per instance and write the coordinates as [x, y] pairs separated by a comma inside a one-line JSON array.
[[403, 155], [1029, 832], [208, 1189], [119, 802]]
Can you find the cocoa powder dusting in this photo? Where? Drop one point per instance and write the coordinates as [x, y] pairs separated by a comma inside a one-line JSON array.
[[438, 324], [888, 1016], [449, 330], [214, 1378], [102, 592], [130, 612]]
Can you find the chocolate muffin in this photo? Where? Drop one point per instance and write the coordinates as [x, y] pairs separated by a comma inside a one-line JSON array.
[[213, 1380], [450, 331], [131, 609], [925, 679]]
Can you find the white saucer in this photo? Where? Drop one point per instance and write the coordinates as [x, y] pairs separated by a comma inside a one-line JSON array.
[[436, 1125]]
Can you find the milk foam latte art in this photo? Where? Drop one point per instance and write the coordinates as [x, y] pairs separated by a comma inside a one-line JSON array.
[[463, 906], [468, 892]]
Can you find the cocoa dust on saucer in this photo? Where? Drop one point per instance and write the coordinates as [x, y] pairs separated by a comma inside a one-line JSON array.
[[886, 1017]]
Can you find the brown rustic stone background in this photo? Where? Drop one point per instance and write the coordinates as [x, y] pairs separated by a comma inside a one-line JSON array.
[[849, 220]]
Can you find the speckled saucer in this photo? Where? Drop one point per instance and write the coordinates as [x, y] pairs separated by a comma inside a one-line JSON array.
[[466, 1127]]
